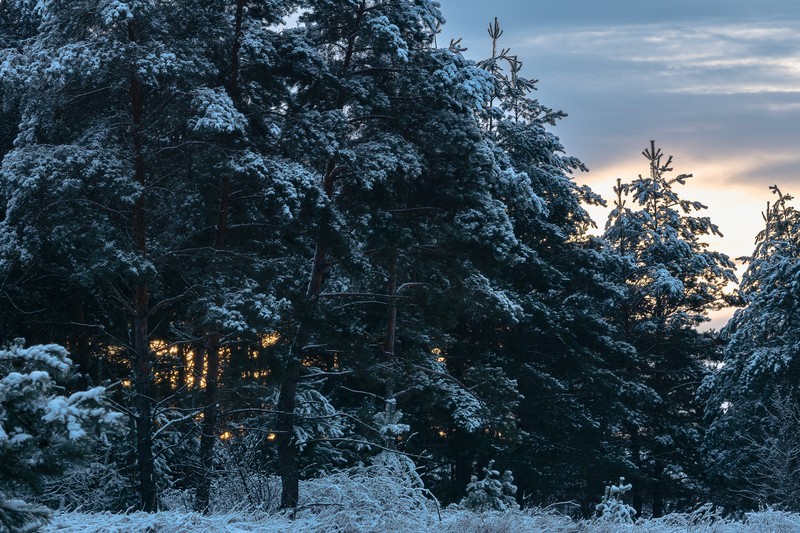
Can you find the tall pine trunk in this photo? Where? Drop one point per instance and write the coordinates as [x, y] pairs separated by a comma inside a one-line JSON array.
[[80, 340], [636, 459], [288, 467], [141, 360], [658, 489], [389, 354], [208, 434]]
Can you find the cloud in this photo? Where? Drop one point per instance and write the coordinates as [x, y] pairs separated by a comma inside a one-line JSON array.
[[724, 92], [730, 58]]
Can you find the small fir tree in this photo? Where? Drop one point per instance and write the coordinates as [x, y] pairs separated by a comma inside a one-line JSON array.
[[760, 371], [495, 492], [41, 430], [613, 508]]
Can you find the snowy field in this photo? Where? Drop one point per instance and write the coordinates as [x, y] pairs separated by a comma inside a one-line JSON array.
[[450, 521], [387, 498]]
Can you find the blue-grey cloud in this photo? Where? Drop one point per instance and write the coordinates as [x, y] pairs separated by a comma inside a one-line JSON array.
[[470, 16]]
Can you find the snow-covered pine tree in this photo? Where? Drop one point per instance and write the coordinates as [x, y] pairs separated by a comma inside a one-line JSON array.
[[252, 208], [759, 373], [358, 43], [432, 223], [41, 430], [409, 176], [397, 183], [495, 492], [613, 509], [540, 313], [673, 281]]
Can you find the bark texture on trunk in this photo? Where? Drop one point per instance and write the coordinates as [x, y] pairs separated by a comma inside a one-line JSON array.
[[658, 489], [288, 468], [141, 358], [208, 433]]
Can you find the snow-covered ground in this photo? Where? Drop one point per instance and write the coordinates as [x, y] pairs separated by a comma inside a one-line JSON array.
[[386, 497], [450, 521]]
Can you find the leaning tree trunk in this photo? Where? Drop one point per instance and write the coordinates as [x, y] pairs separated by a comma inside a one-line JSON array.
[[288, 466]]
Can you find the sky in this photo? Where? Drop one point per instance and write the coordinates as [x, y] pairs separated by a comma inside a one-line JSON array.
[[716, 83]]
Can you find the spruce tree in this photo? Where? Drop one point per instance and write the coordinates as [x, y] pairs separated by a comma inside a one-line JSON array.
[[550, 330], [673, 280], [751, 396]]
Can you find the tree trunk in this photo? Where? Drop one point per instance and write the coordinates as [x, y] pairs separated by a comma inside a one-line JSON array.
[[81, 341], [594, 488], [208, 434], [142, 366], [180, 378], [233, 80], [636, 459], [462, 465], [391, 333], [141, 357], [658, 489], [288, 467]]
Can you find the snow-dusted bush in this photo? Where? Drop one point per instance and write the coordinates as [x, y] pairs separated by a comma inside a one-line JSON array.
[[612, 508], [494, 492], [97, 485], [388, 491], [17, 515], [463, 521], [386, 495], [40, 429]]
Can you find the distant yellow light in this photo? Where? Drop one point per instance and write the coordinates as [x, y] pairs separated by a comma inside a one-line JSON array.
[[436, 351], [270, 339], [126, 383], [442, 433], [272, 436], [441, 359], [226, 435]]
